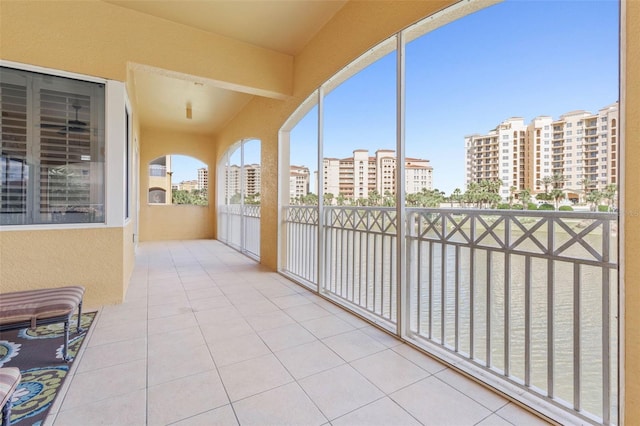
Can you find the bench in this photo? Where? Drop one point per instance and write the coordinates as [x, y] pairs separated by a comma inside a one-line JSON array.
[[9, 380], [32, 308]]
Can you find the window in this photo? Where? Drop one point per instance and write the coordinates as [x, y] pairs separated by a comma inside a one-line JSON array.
[[51, 149]]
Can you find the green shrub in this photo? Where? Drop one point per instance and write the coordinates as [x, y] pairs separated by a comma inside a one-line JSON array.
[[502, 206], [604, 209], [532, 206], [516, 207], [566, 209], [546, 206]]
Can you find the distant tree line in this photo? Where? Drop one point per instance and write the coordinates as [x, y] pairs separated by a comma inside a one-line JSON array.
[[197, 197], [482, 195]]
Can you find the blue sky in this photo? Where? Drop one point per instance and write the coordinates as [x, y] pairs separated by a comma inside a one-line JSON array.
[[517, 58]]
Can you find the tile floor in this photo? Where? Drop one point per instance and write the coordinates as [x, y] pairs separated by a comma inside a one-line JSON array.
[[206, 337]]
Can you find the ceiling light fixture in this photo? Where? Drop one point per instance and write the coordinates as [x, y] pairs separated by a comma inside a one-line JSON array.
[[189, 113]]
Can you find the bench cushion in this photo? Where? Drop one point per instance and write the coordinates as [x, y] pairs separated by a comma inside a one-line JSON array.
[[9, 380], [32, 305]]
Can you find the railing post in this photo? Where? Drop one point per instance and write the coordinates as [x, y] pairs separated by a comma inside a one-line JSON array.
[[320, 190], [402, 297]]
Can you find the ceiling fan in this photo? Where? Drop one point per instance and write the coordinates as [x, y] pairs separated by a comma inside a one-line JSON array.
[[72, 126]]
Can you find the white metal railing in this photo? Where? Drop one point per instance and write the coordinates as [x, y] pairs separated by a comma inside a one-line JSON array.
[[301, 233], [529, 297], [239, 227]]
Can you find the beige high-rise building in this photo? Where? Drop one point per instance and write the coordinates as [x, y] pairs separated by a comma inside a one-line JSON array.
[[354, 177], [579, 145], [245, 179], [203, 178], [298, 181]]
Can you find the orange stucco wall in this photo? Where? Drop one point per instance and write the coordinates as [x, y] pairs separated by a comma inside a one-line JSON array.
[[631, 215], [175, 222]]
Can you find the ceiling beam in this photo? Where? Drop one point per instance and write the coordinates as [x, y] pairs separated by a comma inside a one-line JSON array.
[[101, 39]]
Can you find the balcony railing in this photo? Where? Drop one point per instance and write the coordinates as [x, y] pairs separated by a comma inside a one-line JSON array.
[[239, 227], [526, 297]]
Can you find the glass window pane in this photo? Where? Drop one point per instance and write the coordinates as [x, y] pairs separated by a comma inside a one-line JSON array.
[[53, 132]]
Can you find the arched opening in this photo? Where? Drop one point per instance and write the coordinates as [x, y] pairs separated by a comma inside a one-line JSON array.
[[178, 179], [419, 124], [239, 186]]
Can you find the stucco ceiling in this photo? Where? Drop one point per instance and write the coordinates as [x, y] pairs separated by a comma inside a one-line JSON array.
[[285, 26]]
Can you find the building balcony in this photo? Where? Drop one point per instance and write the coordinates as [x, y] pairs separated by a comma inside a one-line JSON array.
[[207, 336]]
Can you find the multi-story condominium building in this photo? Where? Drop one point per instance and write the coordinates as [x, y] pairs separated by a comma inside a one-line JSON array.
[[581, 146], [246, 179], [203, 178], [354, 177], [186, 185], [298, 181]]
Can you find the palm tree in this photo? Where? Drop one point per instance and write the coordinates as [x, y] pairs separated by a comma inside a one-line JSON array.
[[585, 184], [512, 191], [609, 194], [328, 199], [456, 196], [525, 196], [374, 198]]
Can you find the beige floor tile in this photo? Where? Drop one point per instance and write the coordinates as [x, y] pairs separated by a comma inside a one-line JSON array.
[[115, 317], [169, 310], [434, 402], [111, 354], [290, 300], [421, 360], [97, 385], [197, 284], [185, 337], [256, 307], [285, 405], [519, 416], [473, 390], [185, 397], [204, 293], [237, 349], [172, 323], [353, 345], [307, 312], [389, 371], [253, 376], [269, 320], [118, 333], [127, 408], [386, 339], [161, 299], [214, 332], [309, 358], [339, 391], [383, 412], [216, 315], [494, 420], [223, 416], [326, 326], [353, 320], [286, 337], [212, 303], [168, 365]]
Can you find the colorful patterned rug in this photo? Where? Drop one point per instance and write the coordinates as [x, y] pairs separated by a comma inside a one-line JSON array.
[[38, 355]]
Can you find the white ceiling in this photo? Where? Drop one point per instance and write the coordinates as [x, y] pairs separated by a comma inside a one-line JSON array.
[[285, 26]]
